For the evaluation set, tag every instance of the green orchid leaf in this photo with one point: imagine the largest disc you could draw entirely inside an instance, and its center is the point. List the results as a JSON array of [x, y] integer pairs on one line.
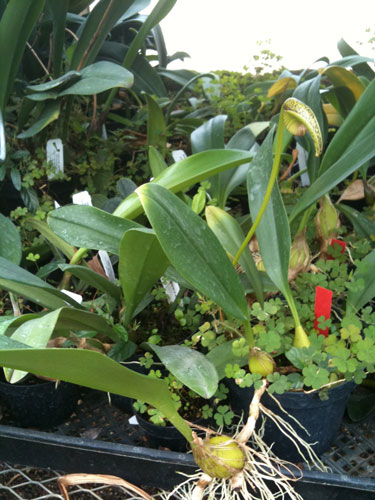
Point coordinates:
[[94, 279], [142, 263], [19, 281], [45, 231], [273, 232], [58, 11], [362, 149], [157, 163], [361, 69], [58, 84], [341, 77], [99, 77], [363, 226], [193, 249], [222, 355], [186, 173], [49, 113], [89, 227], [343, 141], [95, 370], [10, 241], [16, 25], [96, 27], [365, 272], [156, 126], [190, 367], [38, 331], [229, 233]]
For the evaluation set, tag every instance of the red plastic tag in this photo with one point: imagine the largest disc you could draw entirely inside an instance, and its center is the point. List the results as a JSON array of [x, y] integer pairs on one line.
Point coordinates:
[[332, 244], [323, 302]]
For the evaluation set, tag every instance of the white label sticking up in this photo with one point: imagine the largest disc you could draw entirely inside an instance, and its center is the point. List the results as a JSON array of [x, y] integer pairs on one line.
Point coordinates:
[[55, 155], [78, 298], [171, 289], [82, 198], [302, 164], [107, 265], [178, 155]]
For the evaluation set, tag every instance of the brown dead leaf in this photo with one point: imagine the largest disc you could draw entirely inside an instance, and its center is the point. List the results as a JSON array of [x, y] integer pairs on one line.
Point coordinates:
[[354, 191], [96, 266]]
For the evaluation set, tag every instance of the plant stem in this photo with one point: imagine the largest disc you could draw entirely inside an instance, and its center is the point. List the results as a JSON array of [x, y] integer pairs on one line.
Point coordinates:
[[305, 218], [249, 333], [271, 182]]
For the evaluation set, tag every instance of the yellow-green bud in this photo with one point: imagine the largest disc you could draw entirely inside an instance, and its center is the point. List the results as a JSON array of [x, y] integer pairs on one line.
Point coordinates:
[[261, 362], [300, 338], [220, 457], [327, 223], [299, 256]]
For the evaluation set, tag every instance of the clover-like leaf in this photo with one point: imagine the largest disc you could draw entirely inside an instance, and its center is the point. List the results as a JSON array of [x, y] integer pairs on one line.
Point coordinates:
[[315, 376]]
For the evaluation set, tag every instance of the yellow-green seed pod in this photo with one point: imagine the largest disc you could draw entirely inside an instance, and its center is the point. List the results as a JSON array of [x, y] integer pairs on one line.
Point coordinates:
[[300, 256], [261, 362], [220, 457], [298, 118], [327, 223]]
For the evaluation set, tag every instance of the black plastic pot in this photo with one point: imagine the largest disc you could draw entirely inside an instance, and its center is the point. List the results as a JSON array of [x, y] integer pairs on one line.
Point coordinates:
[[321, 418], [42, 405], [162, 436]]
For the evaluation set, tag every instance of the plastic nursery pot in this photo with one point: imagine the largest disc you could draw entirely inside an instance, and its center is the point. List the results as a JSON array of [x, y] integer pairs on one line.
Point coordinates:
[[162, 436], [38, 403], [321, 418]]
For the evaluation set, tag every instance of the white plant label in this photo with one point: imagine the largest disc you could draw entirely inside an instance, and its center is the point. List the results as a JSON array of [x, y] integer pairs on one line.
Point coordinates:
[[171, 289], [78, 298], [178, 155], [302, 164], [55, 155], [82, 198], [133, 420]]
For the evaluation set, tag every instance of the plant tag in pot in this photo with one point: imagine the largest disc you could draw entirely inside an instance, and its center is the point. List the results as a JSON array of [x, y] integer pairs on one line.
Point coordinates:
[[55, 155], [323, 302], [178, 155]]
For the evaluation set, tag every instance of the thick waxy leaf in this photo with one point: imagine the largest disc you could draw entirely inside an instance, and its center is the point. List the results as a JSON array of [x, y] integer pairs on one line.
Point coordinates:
[[10, 241], [193, 249], [363, 226], [362, 113], [49, 113], [142, 263], [16, 25], [282, 85], [341, 77], [186, 173], [21, 282], [361, 69], [45, 231], [89, 227], [190, 367], [222, 355], [273, 232], [94, 279], [96, 28], [58, 84], [365, 272], [210, 135], [157, 163], [94, 370], [229, 233], [37, 332], [156, 127], [99, 77], [58, 11], [362, 149]]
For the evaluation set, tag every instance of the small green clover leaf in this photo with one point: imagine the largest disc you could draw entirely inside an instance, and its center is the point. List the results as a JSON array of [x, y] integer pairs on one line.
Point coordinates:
[[269, 341], [315, 376], [234, 371], [370, 332], [156, 417], [278, 383], [223, 415], [351, 332], [250, 379], [240, 347], [221, 392], [139, 406], [207, 412]]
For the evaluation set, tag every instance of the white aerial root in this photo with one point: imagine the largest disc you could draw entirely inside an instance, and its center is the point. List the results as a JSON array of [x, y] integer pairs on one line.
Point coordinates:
[[263, 477]]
